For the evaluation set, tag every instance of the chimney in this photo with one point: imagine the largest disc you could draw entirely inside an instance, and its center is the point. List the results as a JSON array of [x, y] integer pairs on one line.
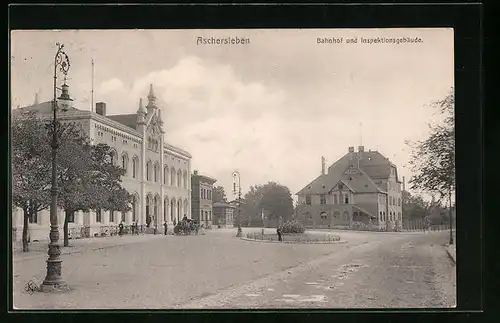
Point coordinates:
[[322, 165], [361, 149], [100, 108], [351, 149]]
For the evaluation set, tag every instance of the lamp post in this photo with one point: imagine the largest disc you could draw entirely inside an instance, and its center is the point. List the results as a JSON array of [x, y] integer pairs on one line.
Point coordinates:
[[53, 281], [237, 174]]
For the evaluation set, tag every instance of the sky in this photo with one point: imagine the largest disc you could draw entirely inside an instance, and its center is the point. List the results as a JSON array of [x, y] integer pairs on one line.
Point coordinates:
[[269, 108]]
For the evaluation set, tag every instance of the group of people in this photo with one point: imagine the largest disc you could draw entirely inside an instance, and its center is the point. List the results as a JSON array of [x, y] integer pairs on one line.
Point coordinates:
[[134, 228], [184, 225]]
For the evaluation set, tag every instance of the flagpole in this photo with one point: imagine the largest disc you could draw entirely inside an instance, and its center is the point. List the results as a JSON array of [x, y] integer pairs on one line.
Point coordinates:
[[92, 100]]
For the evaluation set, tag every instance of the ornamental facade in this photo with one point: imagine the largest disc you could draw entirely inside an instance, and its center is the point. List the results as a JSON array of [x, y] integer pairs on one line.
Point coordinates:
[[157, 173]]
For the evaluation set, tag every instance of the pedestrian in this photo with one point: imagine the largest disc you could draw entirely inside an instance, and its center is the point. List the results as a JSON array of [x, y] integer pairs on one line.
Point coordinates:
[[136, 227], [120, 229], [278, 231], [155, 228], [166, 227]]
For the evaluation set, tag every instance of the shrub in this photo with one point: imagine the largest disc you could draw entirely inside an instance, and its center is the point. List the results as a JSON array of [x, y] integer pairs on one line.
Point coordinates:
[[292, 226]]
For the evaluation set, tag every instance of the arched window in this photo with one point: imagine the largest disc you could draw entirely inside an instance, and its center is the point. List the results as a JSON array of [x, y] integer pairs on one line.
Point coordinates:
[[134, 167], [179, 178], [165, 175], [148, 171], [113, 157], [346, 199], [134, 206], [185, 179], [399, 201], [172, 177], [179, 210], [156, 172], [165, 209], [125, 163], [155, 207], [172, 210]]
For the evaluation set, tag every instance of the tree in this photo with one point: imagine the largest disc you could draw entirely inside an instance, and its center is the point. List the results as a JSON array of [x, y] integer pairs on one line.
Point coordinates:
[[89, 179], [30, 169], [275, 199], [414, 207], [433, 159], [218, 194], [87, 176]]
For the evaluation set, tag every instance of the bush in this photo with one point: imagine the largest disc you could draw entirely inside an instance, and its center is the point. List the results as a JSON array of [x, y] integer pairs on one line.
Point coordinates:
[[292, 226]]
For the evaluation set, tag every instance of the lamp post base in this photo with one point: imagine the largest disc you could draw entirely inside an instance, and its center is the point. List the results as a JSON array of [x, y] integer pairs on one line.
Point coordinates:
[[59, 287]]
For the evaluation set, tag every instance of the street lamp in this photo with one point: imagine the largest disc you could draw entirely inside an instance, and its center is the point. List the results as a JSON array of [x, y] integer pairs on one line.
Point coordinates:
[[237, 174], [53, 281]]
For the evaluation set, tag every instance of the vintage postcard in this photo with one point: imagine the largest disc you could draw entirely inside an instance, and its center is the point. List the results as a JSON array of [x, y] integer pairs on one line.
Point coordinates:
[[233, 169]]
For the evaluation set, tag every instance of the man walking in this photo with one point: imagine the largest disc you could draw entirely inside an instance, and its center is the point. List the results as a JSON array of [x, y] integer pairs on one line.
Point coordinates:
[[278, 231], [166, 227], [120, 229]]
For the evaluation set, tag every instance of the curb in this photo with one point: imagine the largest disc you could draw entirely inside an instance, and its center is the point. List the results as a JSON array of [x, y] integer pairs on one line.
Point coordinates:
[[293, 242], [70, 252]]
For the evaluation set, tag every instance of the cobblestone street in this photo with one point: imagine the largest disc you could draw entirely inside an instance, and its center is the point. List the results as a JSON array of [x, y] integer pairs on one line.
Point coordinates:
[[218, 270]]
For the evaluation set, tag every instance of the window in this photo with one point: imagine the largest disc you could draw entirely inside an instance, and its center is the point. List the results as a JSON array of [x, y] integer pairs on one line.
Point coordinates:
[[308, 199], [33, 218], [134, 167], [165, 175], [172, 177], [98, 216], [179, 178], [210, 215], [335, 199], [322, 199], [399, 216], [123, 216], [134, 203], [147, 171], [323, 216], [399, 201], [346, 199], [156, 173], [125, 163], [71, 217], [111, 216]]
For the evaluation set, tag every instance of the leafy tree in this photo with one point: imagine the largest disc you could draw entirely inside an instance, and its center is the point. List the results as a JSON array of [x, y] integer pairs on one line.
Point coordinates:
[[87, 176], [218, 194], [433, 159], [414, 207], [274, 198], [277, 200], [31, 169]]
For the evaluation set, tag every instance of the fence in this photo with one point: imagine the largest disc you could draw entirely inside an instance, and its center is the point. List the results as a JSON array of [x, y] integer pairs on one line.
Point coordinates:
[[423, 225]]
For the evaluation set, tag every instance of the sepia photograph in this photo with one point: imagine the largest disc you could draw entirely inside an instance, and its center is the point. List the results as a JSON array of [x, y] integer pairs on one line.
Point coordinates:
[[233, 169]]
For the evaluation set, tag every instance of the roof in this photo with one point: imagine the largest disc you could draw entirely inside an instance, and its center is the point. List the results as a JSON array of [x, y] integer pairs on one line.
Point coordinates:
[[204, 178], [372, 164], [223, 205], [363, 210], [129, 120], [360, 183], [41, 108]]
